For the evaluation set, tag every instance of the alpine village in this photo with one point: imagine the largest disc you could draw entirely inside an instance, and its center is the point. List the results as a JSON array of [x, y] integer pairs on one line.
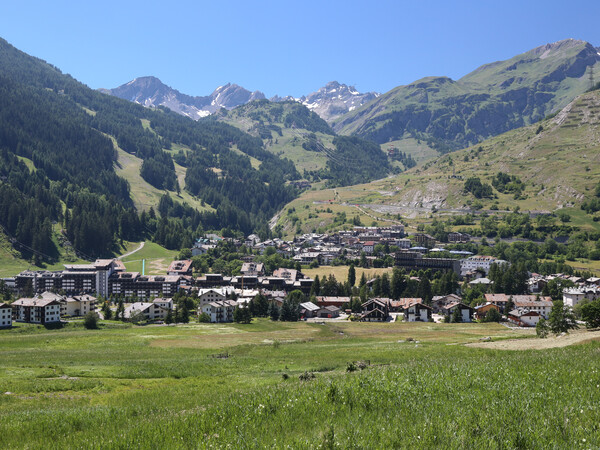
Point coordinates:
[[414, 268]]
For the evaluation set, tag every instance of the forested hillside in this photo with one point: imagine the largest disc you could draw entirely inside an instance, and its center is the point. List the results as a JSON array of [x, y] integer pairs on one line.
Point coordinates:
[[293, 131], [64, 129]]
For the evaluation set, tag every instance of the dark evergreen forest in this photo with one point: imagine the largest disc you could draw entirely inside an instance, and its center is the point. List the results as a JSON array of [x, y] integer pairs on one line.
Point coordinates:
[[67, 131]]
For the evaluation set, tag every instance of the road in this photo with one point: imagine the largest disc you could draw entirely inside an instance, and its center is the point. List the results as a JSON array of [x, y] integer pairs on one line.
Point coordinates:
[[141, 246]]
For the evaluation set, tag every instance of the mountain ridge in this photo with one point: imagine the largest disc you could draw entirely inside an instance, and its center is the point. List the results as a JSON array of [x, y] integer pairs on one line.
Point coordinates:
[[490, 100], [151, 92]]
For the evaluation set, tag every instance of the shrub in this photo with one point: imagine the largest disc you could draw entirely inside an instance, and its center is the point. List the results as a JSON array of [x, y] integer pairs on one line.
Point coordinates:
[[90, 321], [306, 376], [204, 318]]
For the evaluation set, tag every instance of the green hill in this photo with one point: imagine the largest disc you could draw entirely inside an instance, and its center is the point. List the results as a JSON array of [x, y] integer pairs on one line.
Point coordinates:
[[491, 100], [290, 130], [547, 166], [95, 165]]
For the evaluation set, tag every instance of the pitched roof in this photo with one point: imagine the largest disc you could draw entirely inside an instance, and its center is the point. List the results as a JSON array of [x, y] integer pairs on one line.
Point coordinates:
[[496, 298], [309, 306], [41, 302]]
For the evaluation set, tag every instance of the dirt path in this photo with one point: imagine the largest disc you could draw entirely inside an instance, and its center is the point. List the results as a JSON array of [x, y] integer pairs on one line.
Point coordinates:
[[141, 246], [575, 337]]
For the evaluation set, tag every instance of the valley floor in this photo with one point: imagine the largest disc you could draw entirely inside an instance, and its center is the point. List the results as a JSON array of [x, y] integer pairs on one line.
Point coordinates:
[[273, 384]]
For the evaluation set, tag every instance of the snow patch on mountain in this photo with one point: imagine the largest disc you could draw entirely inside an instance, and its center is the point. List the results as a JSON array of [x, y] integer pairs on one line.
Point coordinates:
[[333, 100]]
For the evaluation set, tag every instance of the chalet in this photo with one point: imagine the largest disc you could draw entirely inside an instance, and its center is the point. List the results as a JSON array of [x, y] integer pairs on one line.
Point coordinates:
[[500, 300], [253, 269], [308, 257], [482, 310], [288, 274], [456, 237], [375, 310], [329, 312], [415, 311], [252, 240], [219, 311], [369, 247], [424, 240], [36, 310], [5, 315], [440, 301], [543, 305], [524, 317], [183, 267], [466, 312], [308, 310], [156, 310], [323, 301]]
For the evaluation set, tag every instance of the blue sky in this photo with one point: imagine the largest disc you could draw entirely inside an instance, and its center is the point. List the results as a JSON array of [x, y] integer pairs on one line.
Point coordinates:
[[282, 47]]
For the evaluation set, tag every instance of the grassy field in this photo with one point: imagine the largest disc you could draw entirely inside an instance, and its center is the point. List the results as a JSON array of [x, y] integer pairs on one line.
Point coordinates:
[[341, 272], [239, 386], [143, 194], [157, 259]]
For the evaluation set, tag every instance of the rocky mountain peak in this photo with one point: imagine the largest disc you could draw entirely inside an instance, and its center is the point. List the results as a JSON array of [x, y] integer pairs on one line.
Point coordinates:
[[335, 99], [151, 92]]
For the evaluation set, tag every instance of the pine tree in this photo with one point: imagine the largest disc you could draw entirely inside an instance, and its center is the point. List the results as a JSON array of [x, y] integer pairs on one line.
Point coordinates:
[[120, 311], [424, 290], [286, 312], [456, 315], [385, 285], [315, 289], [169, 318], [351, 275], [273, 311], [363, 280], [106, 311], [561, 318], [398, 283]]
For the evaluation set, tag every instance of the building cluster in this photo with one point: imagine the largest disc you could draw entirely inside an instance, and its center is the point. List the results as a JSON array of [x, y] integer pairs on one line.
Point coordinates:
[[45, 309], [581, 289]]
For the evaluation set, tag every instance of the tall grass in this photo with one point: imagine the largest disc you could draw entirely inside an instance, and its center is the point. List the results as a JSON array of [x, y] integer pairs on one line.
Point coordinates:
[[111, 389]]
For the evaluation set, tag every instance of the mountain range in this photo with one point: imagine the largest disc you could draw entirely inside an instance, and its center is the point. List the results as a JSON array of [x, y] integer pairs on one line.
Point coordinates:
[[443, 113], [492, 99], [92, 170], [330, 102]]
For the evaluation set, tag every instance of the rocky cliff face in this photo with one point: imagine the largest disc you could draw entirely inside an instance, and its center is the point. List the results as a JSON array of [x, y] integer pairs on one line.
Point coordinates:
[[151, 92]]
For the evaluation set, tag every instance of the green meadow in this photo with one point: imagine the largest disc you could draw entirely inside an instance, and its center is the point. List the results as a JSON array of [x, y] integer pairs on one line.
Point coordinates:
[[287, 385]]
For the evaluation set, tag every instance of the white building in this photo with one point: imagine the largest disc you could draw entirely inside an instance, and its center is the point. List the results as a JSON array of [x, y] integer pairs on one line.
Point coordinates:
[[572, 296], [542, 306], [211, 295], [36, 310], [78, 305], [524, 317], [219, 311], [5, 315], [479, 262], [157, 310]]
